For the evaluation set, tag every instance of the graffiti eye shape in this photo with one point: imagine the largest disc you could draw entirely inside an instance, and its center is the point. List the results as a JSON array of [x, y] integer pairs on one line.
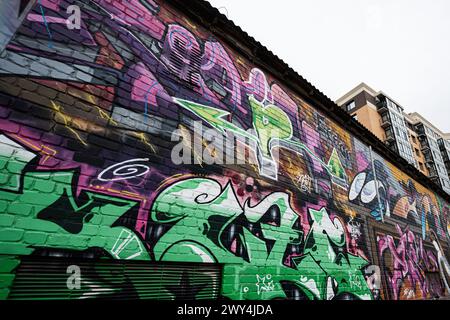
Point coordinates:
[[272, 216], [357, 185], [369, 192], [162, 216]]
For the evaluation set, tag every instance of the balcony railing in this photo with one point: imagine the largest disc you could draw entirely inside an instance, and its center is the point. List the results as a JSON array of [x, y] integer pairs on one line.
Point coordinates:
[[390, 137], [382, 107], [428, 157], [420, 130], [424, 146], [385, 123]]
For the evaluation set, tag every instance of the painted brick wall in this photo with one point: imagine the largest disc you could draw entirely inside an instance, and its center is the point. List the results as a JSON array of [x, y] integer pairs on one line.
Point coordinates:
[[143, 137]]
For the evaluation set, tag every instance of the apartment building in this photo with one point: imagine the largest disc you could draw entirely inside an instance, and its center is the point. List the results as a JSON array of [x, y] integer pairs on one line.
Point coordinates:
[[416, 146], [394, 124], [435, 149], [444, 146], [361, 102], [411, 136], [385, 118]]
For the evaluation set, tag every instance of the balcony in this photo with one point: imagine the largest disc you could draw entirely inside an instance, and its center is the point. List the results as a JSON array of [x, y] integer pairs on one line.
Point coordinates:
[[390, 137], [385, 123], [382, 107], [445, 157], [393, 147], [424, 147], [444, 152], [421, 134], [420, 130], [447, 167], [428, 157]]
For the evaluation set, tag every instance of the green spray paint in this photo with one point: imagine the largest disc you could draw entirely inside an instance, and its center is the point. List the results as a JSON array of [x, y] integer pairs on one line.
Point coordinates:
[[203, 215], [335, 166], [272, 126], [47, 214], [207, 224], [46, 204], [270, 123]]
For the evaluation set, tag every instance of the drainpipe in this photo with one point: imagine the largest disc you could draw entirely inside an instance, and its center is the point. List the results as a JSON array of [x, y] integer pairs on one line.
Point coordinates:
[[376, 184]]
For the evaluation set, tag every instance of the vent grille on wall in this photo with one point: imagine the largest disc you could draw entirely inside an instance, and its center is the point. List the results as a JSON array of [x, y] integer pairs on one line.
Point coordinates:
[[61, 278]]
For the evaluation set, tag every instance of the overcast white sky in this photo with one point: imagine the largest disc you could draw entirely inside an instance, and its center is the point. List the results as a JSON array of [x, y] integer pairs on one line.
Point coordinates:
[[401, 47]]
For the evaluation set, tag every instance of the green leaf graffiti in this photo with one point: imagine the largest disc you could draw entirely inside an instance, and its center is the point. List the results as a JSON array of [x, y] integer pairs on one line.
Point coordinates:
[[270, 123], [335, 166]]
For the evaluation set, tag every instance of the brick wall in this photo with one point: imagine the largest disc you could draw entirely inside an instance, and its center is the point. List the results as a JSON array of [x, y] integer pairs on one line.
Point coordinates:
[[143, 137]]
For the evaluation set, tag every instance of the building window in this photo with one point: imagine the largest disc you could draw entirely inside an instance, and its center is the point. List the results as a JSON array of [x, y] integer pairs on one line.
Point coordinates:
[[350, 106], [417, 152], [390, 104]]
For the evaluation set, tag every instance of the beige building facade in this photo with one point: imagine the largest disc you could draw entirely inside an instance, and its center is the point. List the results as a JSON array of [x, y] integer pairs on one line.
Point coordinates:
[[386, 119]]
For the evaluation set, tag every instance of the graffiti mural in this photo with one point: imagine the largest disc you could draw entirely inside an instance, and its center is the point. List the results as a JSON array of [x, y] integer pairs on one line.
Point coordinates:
[[46, 201], [264, 236], [92, 112], [411, 265]]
